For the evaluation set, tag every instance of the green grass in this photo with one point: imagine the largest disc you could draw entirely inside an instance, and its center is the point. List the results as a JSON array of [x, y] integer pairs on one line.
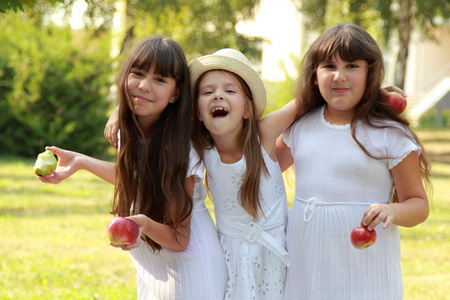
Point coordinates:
[[53, 242]]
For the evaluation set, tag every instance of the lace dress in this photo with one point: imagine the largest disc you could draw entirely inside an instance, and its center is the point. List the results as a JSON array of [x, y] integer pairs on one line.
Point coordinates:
[[335, 183], [255, 251], [198, 272]]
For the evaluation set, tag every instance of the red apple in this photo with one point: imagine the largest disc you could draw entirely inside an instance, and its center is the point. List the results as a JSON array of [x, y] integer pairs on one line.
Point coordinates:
[[362, 238], [122, 231], [397, 101]]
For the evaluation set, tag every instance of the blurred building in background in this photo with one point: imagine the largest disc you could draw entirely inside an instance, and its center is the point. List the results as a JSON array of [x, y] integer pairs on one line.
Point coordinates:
[[428, 75]]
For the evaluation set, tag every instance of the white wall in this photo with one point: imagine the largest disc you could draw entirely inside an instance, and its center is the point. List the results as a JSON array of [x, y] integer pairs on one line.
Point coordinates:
[[428, 62]]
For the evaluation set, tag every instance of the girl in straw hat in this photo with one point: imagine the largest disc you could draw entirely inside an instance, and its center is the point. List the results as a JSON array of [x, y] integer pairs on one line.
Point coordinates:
[[357, 163], [242, 174], [157, 185]]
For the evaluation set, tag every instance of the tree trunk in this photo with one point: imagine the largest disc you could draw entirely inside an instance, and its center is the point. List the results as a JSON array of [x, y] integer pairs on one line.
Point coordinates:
[[128, 38], [404, 35]]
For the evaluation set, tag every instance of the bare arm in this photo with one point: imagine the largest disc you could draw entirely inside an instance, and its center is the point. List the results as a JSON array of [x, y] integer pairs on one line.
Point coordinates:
[[274, 124], [284, 155], [112, 127], [70, 162], [161, 233], [412, 207]]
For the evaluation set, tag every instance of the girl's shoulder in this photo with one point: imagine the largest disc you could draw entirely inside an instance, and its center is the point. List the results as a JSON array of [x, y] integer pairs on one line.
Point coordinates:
[[386, 138], [389, 127], [312, 114], [306, 123], [310, 117]]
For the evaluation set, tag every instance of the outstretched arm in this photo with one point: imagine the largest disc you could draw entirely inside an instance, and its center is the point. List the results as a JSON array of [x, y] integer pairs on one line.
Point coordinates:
[[70, 162], [412, 207]]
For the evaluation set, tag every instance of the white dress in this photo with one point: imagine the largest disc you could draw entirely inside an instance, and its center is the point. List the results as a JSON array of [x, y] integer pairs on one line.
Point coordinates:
[[335, 182], [255, 252], [197, 273]]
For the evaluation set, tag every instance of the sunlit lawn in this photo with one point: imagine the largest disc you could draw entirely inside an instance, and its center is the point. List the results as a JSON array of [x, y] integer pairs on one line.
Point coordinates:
[[53, 242]]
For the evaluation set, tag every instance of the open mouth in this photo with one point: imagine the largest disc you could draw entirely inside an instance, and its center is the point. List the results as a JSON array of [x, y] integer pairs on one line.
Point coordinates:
[[219, 112]]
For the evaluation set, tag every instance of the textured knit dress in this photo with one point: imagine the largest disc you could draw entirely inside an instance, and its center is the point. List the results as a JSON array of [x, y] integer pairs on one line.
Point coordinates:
[[335, 183], [254, 250], [198, 272]]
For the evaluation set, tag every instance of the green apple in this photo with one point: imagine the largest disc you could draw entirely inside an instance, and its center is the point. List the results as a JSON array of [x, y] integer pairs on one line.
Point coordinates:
[[45, 163]]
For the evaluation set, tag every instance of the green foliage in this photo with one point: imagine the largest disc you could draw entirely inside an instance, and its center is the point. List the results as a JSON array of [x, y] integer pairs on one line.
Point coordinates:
[[54, 83], [201, 27], [323, 14], [16, 5], [373, 15], [53, 89], [281, 92], [435, 118]]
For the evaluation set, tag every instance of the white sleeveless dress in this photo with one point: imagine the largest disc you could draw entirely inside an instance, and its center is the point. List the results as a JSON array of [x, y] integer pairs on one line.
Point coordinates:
[[335, 183], [255, 251], [197, 273]]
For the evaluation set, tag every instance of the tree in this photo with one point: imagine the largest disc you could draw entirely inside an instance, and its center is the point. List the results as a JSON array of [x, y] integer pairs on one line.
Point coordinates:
[[53, 89], [380, 18], [55, 83], [201, 27]]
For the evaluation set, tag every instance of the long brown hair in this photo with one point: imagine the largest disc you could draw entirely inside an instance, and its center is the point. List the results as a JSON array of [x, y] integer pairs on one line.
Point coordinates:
[[248, 142], [352, 43], [151, 165]]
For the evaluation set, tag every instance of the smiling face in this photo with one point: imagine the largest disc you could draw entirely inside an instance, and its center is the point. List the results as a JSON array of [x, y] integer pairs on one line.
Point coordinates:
[[342, 85], [150, 94], [222, 104]]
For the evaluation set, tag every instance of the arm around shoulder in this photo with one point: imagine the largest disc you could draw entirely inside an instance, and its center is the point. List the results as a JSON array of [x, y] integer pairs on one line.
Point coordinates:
[[275, 123]]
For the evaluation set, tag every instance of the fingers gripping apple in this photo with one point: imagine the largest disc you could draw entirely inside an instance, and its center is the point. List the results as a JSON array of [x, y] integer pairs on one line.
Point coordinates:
[[122, 231], [397, 101], [362, 238]]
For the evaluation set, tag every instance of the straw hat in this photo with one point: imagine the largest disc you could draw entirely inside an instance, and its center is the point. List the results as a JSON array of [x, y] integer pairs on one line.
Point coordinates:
[[233, 61]]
